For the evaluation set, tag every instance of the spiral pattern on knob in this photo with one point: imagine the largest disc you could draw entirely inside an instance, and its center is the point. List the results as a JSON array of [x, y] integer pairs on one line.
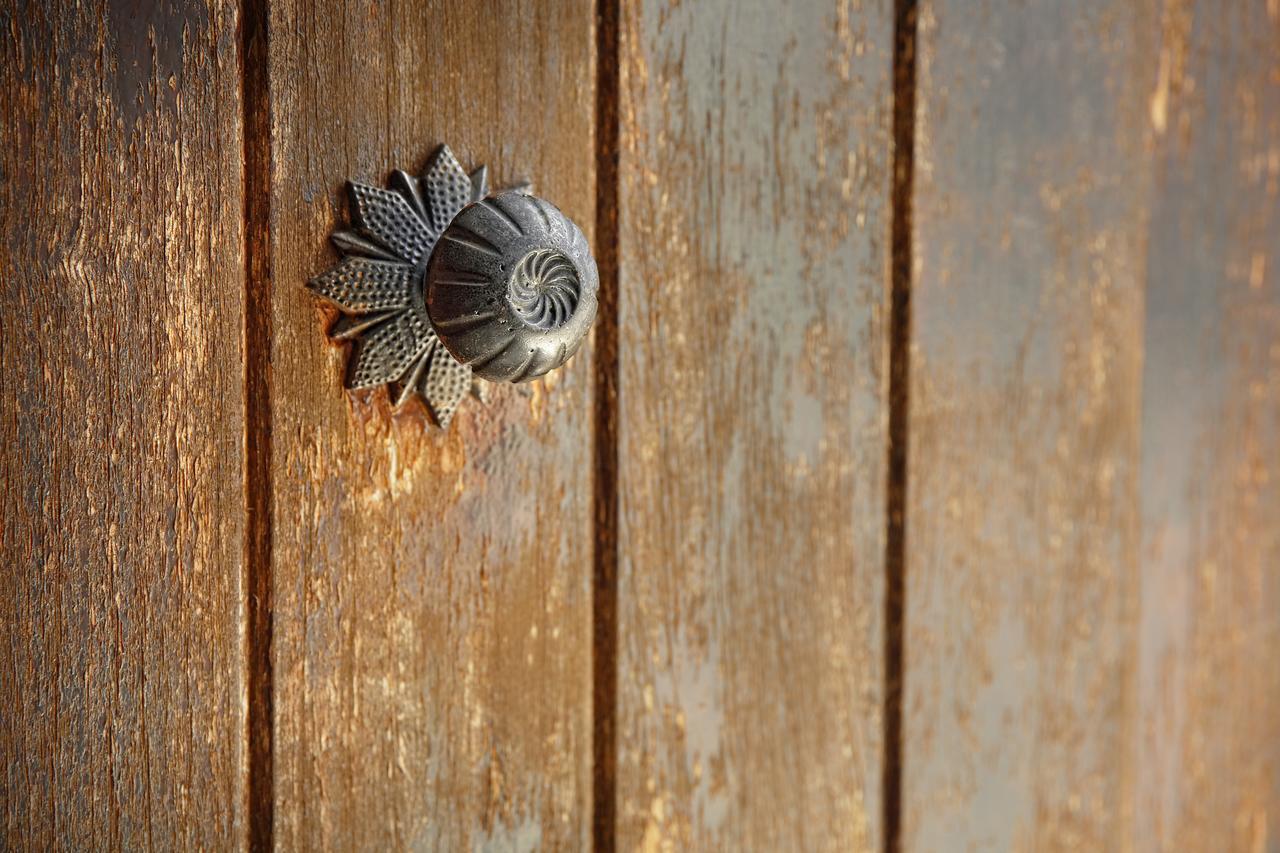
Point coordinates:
[[544, 289]]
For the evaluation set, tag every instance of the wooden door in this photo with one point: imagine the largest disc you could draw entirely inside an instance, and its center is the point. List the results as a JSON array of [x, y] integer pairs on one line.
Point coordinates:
[[917, 489]]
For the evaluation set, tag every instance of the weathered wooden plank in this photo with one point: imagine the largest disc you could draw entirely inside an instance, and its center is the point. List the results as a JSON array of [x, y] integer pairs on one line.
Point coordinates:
[[432, 591], [122, 674], [1022, 530], [1207, 719], [753, 194]]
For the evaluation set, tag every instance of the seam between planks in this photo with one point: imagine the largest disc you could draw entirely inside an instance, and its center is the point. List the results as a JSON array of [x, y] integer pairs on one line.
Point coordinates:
[[604, 656], [255, 100], [904, 107]]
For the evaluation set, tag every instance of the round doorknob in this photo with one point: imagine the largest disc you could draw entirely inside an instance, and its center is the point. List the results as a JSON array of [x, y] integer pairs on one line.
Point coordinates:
[[511, 287], [441, 281]]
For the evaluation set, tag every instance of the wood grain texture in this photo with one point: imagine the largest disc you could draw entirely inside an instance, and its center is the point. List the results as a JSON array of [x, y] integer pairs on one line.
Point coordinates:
[[432, 591], [123, 278], [1033, 171], [1207, 733], [752, 259]]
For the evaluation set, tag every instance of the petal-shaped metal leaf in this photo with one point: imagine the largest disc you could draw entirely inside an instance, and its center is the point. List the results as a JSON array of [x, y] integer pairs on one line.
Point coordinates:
[[383, 314], [448, 188], [413, 380], [386, 351], [363, 285], [409, 187], [480, 183], [388, 216], [350, 242], [446, 383], [350, 326]]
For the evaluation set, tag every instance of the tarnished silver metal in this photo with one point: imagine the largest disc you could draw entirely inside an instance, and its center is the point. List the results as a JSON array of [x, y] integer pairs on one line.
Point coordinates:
[[511, 287], [511, 280]]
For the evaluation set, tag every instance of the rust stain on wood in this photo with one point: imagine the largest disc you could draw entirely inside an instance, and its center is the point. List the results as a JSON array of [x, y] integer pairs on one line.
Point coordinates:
[[752, 267], [122, 602], [432, 626]]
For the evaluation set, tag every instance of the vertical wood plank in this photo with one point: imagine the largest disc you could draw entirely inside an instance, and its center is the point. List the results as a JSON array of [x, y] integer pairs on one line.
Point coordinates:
[[1032, 181], [121, 604], [754, 182], [432, 591], [1207, 731]]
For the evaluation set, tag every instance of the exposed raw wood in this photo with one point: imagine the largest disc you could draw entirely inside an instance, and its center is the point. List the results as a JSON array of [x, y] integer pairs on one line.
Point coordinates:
[[1032, 181], [432, 591], [1207, 723], [753, 251], [121, 382]]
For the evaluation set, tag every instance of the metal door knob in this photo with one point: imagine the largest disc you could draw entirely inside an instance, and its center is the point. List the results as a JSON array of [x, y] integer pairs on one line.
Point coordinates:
[[441, 281], [511, 287]]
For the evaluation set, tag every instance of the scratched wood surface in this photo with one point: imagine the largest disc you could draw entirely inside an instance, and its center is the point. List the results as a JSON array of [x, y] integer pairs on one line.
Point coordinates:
[[753, 249], [432, 591], [123, 278], [1207, 733], [1031, 204]]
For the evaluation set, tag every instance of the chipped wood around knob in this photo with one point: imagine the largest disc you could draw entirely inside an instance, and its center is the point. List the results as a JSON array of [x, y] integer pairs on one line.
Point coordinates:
[[432, 590], [123, 277], [1206, 733], [754, 181], [1033, 170]]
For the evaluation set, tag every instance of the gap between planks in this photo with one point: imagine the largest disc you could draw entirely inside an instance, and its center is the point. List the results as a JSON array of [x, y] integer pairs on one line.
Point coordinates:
[[604, 653], [256, 102], [902, 186]]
